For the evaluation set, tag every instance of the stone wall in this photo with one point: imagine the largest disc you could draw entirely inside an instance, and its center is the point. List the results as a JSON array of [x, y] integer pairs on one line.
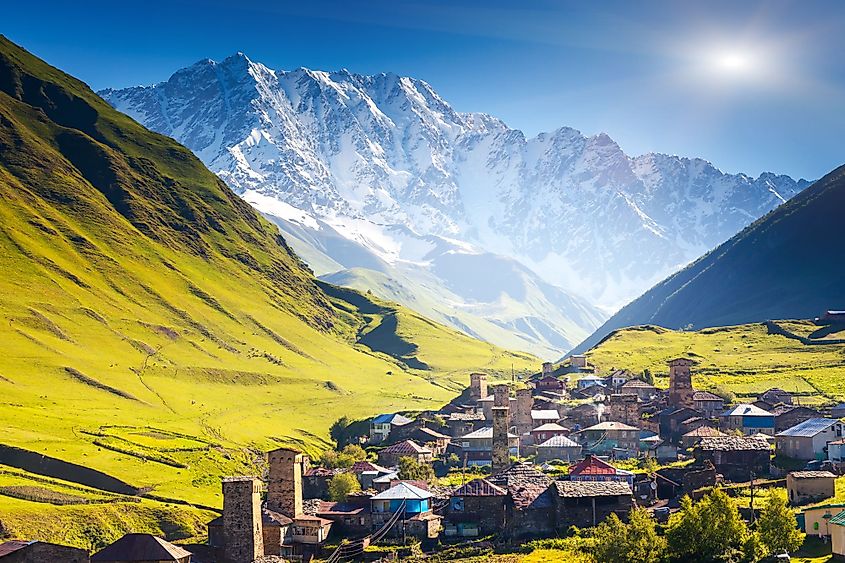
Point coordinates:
[[284, 485], [242, 530]]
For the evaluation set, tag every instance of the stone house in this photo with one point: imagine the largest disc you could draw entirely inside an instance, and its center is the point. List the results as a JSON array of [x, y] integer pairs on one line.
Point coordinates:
[[645, 391], [809, 439], [477, 508], [391, 455], [587, 503], [707, 403], [592, 468], [623, 408], [692, 437], [476, 448], [580, 416], [671, 420], [367, 472], [735, 457], [351, 517], [549, 383], [462, 423], [415, 506], [776, 397], [558, 447], [619, 378], [748, 419], [589, 380], [530, 507], [546, 431], [382, 425], [804, 487], [787, 416], [578, 361], [17, 551], [838, 411], [141, 547], [609, 438], [545, 416]]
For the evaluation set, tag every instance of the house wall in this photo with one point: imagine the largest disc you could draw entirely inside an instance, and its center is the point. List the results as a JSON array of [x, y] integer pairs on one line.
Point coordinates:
[[42, 552], [816, 520], [837, 539], [804, 491], [564, 454], [580, 511], [488, 513]]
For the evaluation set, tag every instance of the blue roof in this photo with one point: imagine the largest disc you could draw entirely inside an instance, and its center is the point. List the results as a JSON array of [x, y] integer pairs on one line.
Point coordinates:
[[809, 428], [397, 419]]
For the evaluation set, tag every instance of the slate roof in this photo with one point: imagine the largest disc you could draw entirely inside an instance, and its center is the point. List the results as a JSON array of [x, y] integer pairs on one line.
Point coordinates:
[[545, 414], [746, 409], [394, 419], [703, 431], [812, 475], [362, 466], [401, 491], [140, 547], [480, 488], [466, 416], [526, 486], [406, 447], [559, 442], [485, 433], [631, 383], [809, 428], [581, 489], [733, 443], [706, 396], [432, 433], [329, 508]]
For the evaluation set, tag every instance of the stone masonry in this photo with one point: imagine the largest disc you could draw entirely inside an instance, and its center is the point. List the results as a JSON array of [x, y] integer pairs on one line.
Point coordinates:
[[242, 519], [478, 385], [500, 453], [284, 484], [522, 417], [680, 383]]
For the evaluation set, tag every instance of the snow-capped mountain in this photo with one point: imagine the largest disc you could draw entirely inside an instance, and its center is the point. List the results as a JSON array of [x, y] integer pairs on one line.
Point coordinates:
[[348, 150]]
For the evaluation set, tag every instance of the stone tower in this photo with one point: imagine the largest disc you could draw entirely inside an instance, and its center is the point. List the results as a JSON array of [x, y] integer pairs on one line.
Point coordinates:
[[500, 453], [478, 385], [242, 530], [284, 483], [522, 415], [680, 383], [548, 368]]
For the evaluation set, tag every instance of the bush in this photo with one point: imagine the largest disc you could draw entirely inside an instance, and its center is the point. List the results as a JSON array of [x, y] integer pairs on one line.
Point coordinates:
[[412, 470], [342, 485]]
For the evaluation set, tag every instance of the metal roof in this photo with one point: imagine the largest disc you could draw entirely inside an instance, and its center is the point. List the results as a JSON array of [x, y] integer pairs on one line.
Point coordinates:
[[746, 409], [545, 414], [403, 491], [809, 428], [394, 418], [485, 433], [559, 442]]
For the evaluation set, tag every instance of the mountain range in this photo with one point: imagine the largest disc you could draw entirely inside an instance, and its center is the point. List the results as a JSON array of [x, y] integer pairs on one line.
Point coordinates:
[[386, 163], [786, 265], [145, 307]]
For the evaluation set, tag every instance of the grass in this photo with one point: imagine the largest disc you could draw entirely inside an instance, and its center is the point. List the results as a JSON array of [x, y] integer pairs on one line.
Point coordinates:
[[744, 359], [158, 330]]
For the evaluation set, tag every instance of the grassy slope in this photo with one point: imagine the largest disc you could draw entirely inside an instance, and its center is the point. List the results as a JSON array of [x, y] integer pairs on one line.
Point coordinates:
[[139, 291], [745, 359]]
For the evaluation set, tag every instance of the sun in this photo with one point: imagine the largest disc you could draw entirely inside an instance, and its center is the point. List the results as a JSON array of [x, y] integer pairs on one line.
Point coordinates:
[[733, 62]]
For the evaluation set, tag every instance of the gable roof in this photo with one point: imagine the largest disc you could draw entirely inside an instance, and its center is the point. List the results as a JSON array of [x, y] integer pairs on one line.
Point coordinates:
[[362, 466], [703, 431], [140, 547], [432, 433], [525, 484], [610, 425], [485, 433], [545, 414], [480, 488], [839, 519], [392, 418], [550, 427], [706, 396], [406, 447], [733, 443], [591, 465], [809, 428], [745, 409], [403, 490], [579, 489], [559, 442]]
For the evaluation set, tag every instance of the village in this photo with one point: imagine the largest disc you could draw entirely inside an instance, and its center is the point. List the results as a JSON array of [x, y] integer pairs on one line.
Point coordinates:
[[562, 450]]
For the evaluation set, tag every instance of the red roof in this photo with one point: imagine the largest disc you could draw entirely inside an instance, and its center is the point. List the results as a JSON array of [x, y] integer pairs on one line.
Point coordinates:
[[12, 546], [591, 465], [406, 447]]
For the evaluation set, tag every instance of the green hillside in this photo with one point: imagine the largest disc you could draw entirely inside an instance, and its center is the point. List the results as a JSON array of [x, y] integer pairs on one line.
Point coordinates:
[[744, 359], [158, 331]]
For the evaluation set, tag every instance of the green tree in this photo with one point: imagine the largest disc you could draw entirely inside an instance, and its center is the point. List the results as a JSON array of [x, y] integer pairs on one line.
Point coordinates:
[[777, 525], [411, 469], [711, 531], [648, 377], [355, 451], [339, 431], [341, 485], [635, 542]]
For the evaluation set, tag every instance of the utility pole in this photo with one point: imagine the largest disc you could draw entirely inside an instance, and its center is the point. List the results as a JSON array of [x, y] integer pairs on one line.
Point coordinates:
[[753, 516]]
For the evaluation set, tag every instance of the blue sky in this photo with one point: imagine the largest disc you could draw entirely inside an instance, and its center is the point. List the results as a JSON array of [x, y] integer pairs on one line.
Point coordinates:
[[750, 86]]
